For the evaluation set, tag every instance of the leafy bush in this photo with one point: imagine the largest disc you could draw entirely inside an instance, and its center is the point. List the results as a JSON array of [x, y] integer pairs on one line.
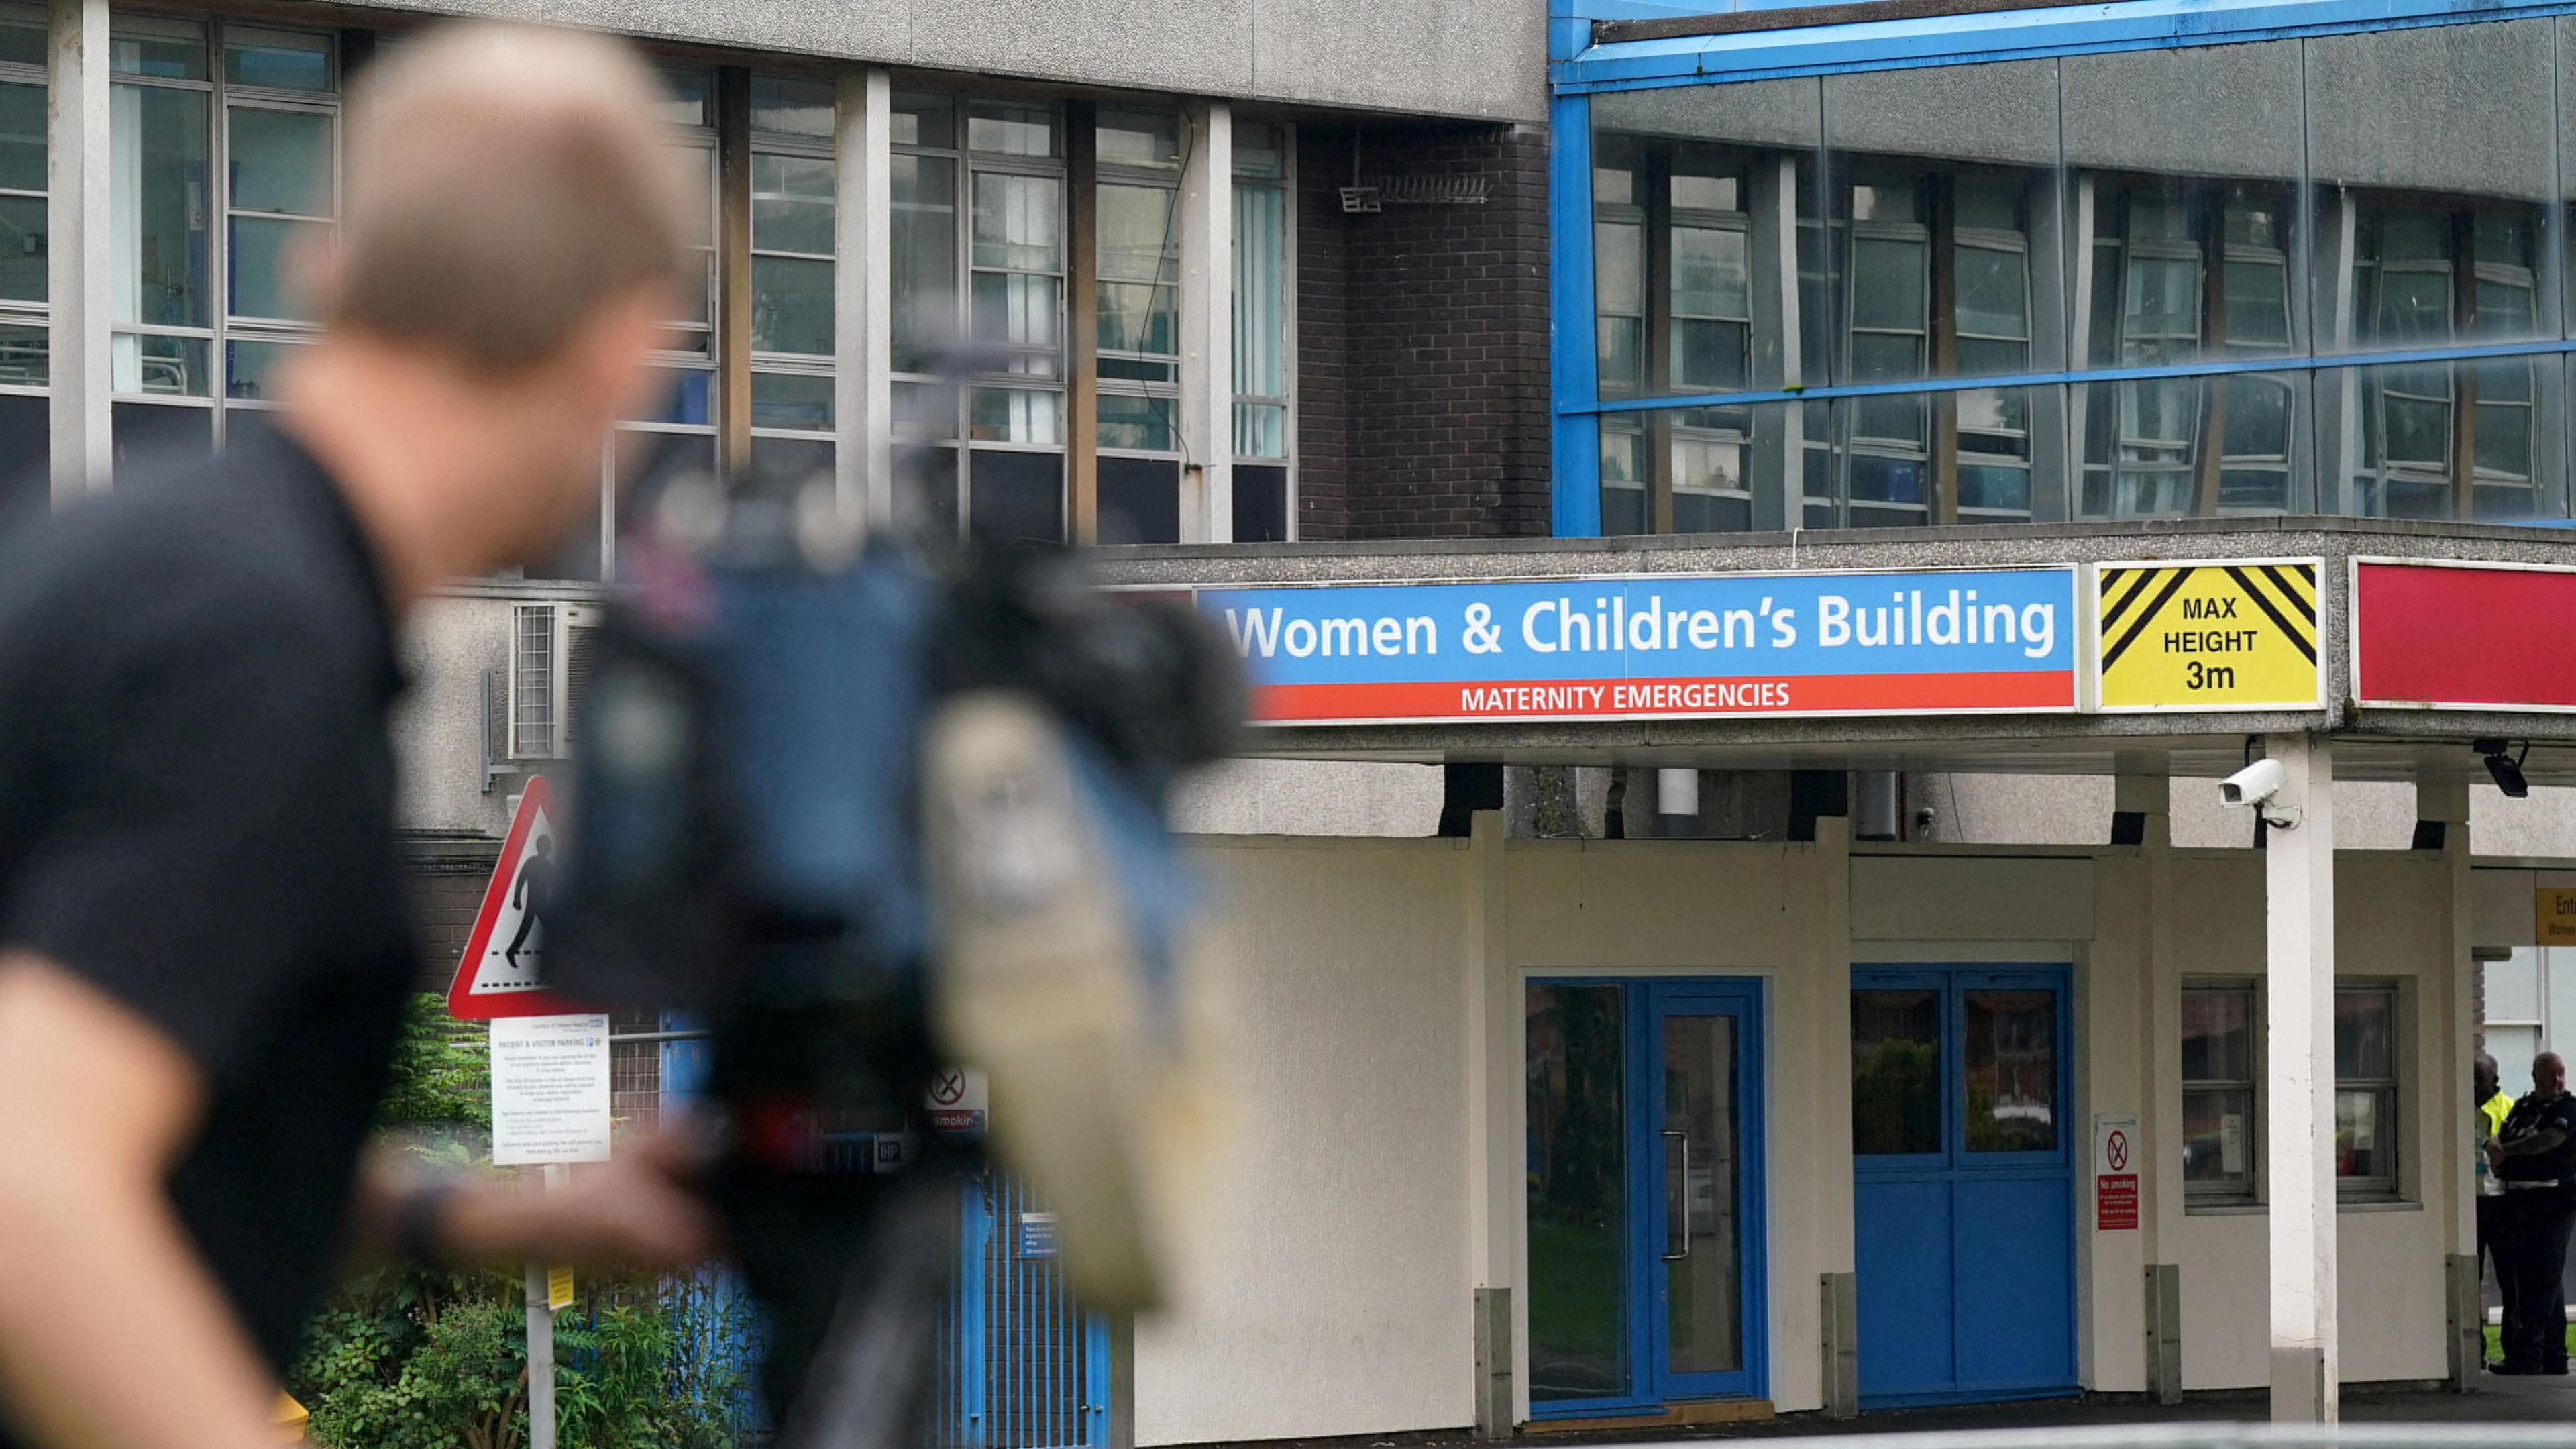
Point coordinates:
[[406, 1358]]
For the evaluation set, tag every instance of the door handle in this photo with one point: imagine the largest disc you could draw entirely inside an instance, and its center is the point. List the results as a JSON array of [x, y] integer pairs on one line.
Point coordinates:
[[1679, 1212]]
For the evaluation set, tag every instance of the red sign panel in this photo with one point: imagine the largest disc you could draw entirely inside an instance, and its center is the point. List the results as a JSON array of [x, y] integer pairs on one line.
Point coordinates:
[[2463, 636], [2115, 1202], [502, 971]]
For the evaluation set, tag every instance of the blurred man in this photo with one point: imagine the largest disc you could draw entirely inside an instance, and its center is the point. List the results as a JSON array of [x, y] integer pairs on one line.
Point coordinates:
[[203, 945], [2489, 1106], [2535, 1156]]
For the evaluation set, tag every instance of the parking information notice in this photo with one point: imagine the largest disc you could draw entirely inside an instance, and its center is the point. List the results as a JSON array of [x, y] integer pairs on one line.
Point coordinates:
[[1663, 646], [550, 1089], [2229, 634]]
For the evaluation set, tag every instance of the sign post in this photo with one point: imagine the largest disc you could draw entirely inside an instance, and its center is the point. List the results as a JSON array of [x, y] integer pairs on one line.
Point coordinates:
[[550, 1099]]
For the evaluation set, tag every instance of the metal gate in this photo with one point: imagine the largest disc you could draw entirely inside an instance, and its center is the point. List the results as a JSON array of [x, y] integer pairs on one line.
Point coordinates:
[[1023, 1366]]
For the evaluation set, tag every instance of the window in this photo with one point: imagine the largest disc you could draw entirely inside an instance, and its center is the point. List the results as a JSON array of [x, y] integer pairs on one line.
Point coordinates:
[[2366, 1090], [792, 218], [225, 139], [2222, 1103], [2219, 1077], [675, 435], [1137, 206], [24, 261], [988, 457], [1264, 506]]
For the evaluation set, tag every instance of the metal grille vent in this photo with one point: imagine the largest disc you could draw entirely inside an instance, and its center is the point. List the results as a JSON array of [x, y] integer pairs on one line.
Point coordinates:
[[532, 682]]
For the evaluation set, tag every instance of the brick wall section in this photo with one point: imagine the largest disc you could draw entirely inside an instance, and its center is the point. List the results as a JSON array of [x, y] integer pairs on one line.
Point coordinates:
[[1422, 362], [447, 876]]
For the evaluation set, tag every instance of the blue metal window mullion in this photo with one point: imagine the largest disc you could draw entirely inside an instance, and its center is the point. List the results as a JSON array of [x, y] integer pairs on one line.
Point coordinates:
[[1574, 374]]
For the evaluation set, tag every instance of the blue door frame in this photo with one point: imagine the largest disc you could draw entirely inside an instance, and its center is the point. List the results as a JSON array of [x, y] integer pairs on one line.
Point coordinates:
[[1649, 1003], [1967, 1260]]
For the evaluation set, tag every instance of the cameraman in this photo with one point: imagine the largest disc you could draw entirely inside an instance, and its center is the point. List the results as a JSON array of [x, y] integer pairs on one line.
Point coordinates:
[[204, 951]]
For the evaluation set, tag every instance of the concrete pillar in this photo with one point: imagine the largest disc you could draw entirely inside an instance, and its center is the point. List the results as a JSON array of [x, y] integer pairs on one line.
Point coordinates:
[[1676, 803], [1207, 326], [78, 257], [2442, 812], [863, 297], [1497, 1153], [2299, 1000]]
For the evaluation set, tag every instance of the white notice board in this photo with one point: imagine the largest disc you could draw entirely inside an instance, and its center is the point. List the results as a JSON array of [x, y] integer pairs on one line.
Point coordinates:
[[550, 1089]]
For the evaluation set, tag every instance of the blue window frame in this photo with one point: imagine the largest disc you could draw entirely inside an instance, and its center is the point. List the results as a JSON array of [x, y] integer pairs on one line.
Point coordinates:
[[2331, 308]]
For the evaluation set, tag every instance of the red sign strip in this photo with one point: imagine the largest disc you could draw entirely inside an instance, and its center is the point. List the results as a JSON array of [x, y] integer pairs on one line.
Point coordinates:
[[2478, 637], [1664, 698]]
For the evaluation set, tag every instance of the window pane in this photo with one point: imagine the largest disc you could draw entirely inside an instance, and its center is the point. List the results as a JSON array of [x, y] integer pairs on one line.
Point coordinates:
[[280, 161], [26, 493], [158, 211], [925, 410], [1139, 244], [1887, 285], [1260, 430], [155, 45], [2011, 1049], [1017, 310], [170, 366], [1016, 496], [925, 258], [1019, 222], [791, 104], [1576, 1050], [685, 395], [1014, 415], [262, 250], [1260, 309], [1139, 138], [791, 204], [1260, 504], [924, 120], [1140, 500], [2218, 1137], [925, 486], [685, 93], [2513, 986], [2217, 1035], [1260, 151], [1142, 423], [22, 35], [250, 368], [1896, 1071], [22, 137], [141, 431], [1710, 277], [2365, 1133], [781, 465], [2365, 1035], [278, 59], [22, 357], [1008, 130], [791, 400], [1994, 293], [791, 306], [22, 249]]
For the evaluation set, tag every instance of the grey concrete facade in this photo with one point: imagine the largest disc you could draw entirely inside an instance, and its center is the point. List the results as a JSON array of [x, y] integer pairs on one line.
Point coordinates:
[[1480, 59]]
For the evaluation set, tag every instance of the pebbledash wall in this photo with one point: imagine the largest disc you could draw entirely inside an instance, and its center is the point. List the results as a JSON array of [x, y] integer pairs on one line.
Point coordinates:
[[1377, 1176]]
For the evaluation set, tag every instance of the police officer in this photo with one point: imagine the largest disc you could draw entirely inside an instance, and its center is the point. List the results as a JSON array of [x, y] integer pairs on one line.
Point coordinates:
[[2535, 1157]]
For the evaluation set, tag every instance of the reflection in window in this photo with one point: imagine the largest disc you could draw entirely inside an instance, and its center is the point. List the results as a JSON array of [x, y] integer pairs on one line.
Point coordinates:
[[2218, 1086], [2365, 1048], [793, 220], [2010, 1041], [1575, 1056], [1136, 206], [1896, 1071]]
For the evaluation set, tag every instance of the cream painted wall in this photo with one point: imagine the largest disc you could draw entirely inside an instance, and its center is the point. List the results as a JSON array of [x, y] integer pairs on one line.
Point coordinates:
[[1378, 983], [1341, 1301]]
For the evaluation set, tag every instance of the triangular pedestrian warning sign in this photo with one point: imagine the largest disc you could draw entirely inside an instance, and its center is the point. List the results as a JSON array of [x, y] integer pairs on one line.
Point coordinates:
[[503, 970]]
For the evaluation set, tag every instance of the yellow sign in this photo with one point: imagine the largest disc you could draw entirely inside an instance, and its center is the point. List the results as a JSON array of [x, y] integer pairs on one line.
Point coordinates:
[[558, 1289], [2554, 924], [2219, 635]]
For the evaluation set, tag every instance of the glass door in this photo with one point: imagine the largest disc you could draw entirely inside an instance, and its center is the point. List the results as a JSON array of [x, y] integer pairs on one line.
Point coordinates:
[[1644, 1194]]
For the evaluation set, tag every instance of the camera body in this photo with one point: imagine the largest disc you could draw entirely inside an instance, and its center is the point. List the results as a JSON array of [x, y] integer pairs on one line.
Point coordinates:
[[782, 825]]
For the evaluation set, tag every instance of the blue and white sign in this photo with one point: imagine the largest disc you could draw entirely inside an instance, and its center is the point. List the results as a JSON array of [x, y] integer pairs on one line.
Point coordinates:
[[1658, 646]]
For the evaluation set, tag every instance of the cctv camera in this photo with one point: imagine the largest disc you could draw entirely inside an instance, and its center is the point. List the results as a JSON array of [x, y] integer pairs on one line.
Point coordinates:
[[2255, 784]]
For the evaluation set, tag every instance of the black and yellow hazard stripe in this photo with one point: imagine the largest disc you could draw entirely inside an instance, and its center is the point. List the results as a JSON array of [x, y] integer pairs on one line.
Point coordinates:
[[2286, 593]]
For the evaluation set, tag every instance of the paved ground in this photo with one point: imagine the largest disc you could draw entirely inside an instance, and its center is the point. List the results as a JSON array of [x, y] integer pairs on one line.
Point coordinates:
[[2498, 1401]]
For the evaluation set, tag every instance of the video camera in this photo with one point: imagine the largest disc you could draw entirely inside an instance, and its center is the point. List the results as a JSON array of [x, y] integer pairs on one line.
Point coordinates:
[[867, 812]]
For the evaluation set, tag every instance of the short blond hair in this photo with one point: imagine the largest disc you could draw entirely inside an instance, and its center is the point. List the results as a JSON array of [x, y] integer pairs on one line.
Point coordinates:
[[504, 182]]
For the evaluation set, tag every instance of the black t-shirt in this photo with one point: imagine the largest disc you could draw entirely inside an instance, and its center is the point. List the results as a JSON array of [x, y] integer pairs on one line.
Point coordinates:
[[2532, 1115], [196, 815]]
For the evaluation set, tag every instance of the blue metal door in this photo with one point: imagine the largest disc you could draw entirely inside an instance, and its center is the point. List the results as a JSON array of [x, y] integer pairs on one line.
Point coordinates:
[[1962, 1176], [1024, 1366], [1645, 1172]]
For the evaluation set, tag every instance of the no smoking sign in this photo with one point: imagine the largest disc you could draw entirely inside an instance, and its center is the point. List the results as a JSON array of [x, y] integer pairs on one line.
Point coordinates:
[[2115, 1187]]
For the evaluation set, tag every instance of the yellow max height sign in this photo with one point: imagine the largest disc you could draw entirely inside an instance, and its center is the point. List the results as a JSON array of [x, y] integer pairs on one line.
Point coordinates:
[[2216, 635], [2556, 918]]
